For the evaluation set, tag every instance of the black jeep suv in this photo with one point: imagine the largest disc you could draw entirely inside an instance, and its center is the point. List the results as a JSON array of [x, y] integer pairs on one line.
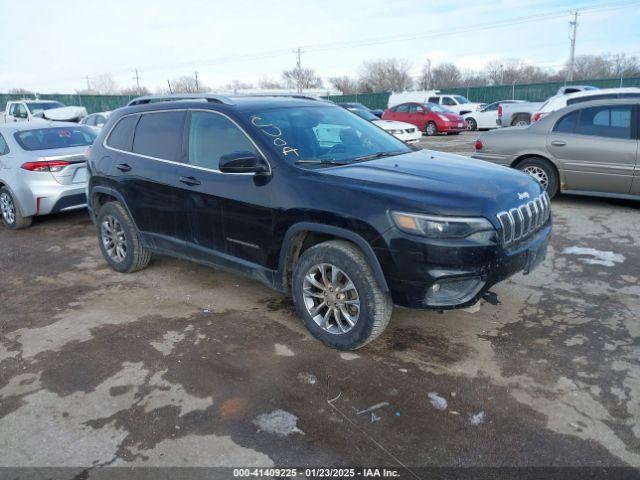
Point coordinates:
[[310, 199]]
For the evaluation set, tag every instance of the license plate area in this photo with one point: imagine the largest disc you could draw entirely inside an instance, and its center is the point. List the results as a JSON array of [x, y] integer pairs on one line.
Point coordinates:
[[535, 257]]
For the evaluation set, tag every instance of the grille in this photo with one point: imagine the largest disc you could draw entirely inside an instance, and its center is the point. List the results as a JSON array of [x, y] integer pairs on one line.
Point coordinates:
[[521, 222]]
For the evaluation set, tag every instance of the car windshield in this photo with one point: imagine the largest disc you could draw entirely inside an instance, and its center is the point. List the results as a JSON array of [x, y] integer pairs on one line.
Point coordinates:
[[55, 137], [324, 134], [461, 99], [434, 107], [35, 106], [366, 114]]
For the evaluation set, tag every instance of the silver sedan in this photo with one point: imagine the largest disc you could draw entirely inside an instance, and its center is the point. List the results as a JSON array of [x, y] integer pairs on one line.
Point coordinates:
[[589, 148], [42, 169]]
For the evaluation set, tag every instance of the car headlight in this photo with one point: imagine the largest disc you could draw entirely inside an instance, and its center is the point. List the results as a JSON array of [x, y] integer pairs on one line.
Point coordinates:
[[444, 118], [431, 226], [394, 132]]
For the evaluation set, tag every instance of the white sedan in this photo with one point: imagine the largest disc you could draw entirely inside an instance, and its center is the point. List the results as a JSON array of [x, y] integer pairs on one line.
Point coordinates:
[[487, 117], [406, 132]]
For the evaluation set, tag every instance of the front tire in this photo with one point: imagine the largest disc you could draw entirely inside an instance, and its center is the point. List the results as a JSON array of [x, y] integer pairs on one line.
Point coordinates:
[[119, 241], [338, 297], [471, 124], [431, 129], [10, 211], [543, 172]]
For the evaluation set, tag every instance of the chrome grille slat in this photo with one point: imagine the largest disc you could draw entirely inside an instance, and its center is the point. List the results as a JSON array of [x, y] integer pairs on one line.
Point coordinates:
[[522, 221]]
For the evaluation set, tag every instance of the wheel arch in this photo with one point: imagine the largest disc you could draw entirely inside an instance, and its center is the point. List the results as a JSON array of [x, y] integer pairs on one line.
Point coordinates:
[[297, 237], [521, 158], [99, 193]]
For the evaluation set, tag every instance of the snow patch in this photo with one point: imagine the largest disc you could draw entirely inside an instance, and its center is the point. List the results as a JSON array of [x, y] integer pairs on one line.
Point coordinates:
[[599, 257], [278, 422]]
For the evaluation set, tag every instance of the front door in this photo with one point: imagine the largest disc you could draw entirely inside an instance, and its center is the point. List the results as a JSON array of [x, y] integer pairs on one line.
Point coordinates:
[[230, 213], [597, 148]]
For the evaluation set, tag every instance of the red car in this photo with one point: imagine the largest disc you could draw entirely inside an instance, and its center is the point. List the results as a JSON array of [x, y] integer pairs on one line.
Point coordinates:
[[428, 117]]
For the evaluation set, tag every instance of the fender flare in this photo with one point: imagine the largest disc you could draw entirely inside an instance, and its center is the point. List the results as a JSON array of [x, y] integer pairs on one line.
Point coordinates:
[[335, 231], [114, 193]]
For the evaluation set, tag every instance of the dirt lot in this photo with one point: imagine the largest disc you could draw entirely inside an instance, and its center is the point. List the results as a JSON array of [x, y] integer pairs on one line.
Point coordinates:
[[177, 365]]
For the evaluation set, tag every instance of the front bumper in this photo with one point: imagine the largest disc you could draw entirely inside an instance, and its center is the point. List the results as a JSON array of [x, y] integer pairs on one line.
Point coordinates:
[[414, 265], [411, 137], [452, 127]]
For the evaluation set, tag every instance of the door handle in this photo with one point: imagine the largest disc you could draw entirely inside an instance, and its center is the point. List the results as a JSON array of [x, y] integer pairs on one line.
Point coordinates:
[[558, 143], [123, 167], [191, 181]]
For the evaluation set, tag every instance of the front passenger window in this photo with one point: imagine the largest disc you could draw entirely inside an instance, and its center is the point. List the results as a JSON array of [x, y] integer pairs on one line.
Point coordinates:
[[211, 136]]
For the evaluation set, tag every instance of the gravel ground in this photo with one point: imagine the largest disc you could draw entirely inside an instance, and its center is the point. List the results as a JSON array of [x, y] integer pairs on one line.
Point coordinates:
[[182, 365]]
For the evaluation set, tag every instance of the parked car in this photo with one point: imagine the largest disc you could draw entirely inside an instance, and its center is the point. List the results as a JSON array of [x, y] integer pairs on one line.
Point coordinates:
[[349, 228], [349, 105], [38, 110], [566, 89], [428, 117], [42, 169], [487, 117], [96, 120], [406, 132], [588, 148], [560, 101], [455, 103], [517, 114]]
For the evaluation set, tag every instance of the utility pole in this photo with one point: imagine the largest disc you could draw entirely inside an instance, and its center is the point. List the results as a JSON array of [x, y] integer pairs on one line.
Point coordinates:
[[169, 83], [428, 74], [88, 83], [299, 69], [137, 80], [197, 85], [572, 56]]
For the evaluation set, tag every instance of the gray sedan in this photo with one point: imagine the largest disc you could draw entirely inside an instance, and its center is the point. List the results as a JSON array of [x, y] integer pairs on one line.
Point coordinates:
[[589, 148]]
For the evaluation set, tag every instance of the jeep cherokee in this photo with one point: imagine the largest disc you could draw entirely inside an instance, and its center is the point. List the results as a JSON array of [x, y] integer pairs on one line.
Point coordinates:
[[311, 199]]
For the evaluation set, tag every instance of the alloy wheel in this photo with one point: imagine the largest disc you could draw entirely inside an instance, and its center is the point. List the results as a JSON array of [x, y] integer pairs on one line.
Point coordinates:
[[113, 238], [331, 298], [538, 174], [8, 208], [431, 129]]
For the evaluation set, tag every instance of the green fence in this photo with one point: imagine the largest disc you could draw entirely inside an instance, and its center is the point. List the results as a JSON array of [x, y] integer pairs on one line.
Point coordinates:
[[93, 103], [532, 92]]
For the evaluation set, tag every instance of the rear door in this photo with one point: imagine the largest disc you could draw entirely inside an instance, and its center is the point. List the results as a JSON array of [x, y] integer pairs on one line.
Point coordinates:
[[401, 113], [597, 148]]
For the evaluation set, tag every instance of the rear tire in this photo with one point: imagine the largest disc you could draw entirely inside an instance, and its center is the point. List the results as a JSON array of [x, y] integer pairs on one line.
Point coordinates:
[[543, 172], [10, 211], [431, 129], [471, 124], [520, 121], [119, 241], [328, 281]]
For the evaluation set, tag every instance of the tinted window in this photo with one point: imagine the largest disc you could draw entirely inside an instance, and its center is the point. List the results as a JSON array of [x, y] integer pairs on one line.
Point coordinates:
[[460, 99], [57, 137], [602, 96], [402, 108], [211, 136], [448, 101], [34, 107], [611, 122], [4, 148], [434, 100], [122, 134], [20, 111], [567, 124], [492, 107], [159, 135]]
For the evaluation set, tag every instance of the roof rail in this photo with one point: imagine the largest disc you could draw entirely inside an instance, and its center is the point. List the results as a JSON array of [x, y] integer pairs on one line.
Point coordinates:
[[209, 97], [300, 96]]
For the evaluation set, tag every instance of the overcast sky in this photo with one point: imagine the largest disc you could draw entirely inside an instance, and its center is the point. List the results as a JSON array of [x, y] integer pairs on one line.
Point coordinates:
[[51, 46]]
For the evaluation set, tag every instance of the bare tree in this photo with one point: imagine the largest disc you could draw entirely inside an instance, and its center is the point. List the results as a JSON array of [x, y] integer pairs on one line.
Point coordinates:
[[187, 84], [345, 84], [238, 85], [133, 91], [269, 84], [621, 65], [301, 78], [20, 91], [104, 84], [386, 75], [446, 75]]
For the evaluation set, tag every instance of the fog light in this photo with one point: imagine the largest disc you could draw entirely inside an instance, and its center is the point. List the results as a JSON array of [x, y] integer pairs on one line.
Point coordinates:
[[453, 291]]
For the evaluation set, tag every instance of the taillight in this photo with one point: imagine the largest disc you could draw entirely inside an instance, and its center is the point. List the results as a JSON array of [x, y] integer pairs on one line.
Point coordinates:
[[479, 145], [499, 110], [537, 116], [45, 166]]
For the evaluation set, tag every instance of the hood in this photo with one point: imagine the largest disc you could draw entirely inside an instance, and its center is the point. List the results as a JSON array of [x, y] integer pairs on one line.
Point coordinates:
[[68, 114], [440, 183], [453, 117], [393, 124]]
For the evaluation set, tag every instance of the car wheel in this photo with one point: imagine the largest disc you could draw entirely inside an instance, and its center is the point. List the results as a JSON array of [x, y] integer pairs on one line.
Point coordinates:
[[10, 211], [338, 297], [520, 121], [543, 172], [431, 129], [119, 240], [471, 124]]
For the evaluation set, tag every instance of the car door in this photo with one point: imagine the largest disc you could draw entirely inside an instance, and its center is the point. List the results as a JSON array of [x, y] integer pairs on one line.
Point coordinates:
[[597, 148], [230, 213], [487, 116], [416, 115], [18, 112], [401, 113], [145, 167]]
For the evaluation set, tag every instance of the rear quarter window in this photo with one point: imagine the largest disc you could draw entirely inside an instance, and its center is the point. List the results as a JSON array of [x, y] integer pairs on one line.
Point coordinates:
[[160, 135], [4, 148], [121, 135]]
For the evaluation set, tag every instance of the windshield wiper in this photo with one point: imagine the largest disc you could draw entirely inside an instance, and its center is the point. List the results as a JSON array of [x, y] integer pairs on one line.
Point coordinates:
[[321, 162], [378, 155]]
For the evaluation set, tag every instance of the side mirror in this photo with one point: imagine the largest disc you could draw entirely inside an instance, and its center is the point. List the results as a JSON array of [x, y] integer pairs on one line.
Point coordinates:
[[242, 162]]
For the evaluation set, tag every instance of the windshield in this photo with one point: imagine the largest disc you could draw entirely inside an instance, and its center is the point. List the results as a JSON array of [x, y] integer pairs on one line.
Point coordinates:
[[35, 106], [461, 99], [56, 137], [366, 114], [434, 107], [324, 133]]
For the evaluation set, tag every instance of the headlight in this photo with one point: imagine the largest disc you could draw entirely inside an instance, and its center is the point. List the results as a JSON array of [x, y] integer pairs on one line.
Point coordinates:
[[444, 227], [393, 132], [444, 118]]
